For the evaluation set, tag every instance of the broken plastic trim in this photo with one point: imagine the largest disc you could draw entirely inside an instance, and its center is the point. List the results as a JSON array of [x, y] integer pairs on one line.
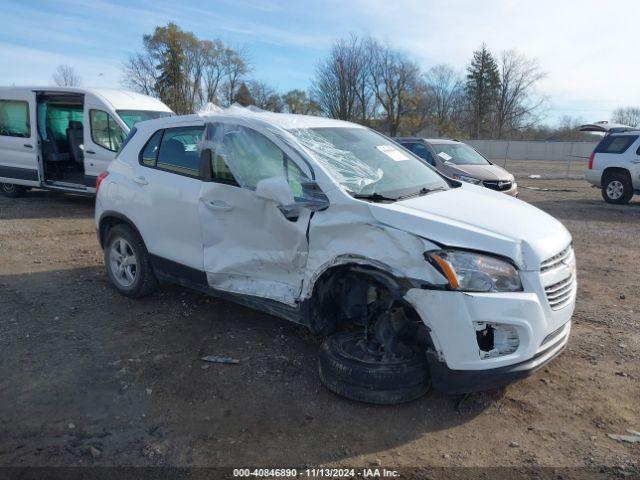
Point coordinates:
[[496, 339]]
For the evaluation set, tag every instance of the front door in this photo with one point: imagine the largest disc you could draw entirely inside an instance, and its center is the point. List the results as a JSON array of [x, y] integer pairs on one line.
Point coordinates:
[[103, 135], [250, 246], [19, 140]]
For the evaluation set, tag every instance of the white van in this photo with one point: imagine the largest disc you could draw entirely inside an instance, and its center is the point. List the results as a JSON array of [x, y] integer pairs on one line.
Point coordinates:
[[62, 138]]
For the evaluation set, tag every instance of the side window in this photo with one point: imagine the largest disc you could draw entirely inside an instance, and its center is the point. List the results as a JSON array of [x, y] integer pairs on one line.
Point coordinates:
[[14, 119], [105, 131], [252, 157], [175, 150], [615, 143], [149, 153]]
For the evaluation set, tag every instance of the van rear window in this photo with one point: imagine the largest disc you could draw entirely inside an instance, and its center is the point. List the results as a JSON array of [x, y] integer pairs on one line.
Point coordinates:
[[615, 143]]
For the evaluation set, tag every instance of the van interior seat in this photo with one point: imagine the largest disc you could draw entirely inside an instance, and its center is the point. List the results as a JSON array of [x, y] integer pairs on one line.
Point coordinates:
[[75, 138], [54, 152]]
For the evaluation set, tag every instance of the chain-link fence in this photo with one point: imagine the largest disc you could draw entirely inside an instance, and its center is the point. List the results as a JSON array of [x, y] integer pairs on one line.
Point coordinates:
[[527, 158]]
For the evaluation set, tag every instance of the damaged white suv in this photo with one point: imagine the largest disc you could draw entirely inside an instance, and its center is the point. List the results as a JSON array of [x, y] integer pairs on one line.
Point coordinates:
[[415, 280]]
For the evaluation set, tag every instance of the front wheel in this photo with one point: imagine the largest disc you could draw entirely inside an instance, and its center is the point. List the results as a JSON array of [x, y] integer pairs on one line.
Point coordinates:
[[617, 188], [12, 191], [348, 368], [127, 262]]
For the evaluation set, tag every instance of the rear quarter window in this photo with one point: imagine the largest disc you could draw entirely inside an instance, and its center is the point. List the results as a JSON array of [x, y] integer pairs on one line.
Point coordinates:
[[615, 143]]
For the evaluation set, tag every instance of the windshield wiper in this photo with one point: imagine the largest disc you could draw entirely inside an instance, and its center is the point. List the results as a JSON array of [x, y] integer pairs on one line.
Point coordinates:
[[419, 193], [374, 197]]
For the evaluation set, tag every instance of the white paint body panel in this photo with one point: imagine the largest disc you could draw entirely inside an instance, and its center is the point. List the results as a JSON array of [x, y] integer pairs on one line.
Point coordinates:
[[21, 152], [246, 245]]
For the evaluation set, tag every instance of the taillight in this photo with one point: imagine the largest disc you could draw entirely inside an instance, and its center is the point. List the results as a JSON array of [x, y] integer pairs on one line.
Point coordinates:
[[99, 180], [591, 157]]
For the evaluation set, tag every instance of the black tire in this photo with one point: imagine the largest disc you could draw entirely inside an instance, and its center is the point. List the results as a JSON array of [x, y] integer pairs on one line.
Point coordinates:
[[368, 381], [145, 281], [611, 186], [12, 191]]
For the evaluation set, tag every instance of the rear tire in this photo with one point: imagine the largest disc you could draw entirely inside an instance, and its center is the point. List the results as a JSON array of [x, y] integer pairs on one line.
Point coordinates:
[[617, 188], [12, 191], [128, 263], [382, 383]]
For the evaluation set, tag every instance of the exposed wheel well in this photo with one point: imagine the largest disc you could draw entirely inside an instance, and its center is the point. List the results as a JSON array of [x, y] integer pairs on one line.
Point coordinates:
[[360, 296], [614, 170]]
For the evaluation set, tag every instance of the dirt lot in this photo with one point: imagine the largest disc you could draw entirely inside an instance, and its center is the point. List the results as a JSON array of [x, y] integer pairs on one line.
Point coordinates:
[[88, 377]]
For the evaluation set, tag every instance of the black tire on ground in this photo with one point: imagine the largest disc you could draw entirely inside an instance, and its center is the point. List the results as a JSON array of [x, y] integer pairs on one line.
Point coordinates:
[[12, 191], [617, 188], [145, 280], [369, 381]]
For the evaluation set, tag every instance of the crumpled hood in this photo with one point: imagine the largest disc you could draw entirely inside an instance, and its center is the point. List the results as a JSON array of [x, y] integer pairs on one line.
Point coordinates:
[[484, 172], [477, 218]]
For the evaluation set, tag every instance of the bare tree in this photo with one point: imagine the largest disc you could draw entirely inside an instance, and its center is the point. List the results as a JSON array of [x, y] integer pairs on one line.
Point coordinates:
[[340, 80], [393, 79], [235, 68], [264, 96], [446, 89], [627, 116], [214, 70], [66, 76], [140, 74], [518, 104]]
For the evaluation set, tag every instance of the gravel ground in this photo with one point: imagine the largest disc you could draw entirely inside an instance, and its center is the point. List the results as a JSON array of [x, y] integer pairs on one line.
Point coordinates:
[[88, 377]]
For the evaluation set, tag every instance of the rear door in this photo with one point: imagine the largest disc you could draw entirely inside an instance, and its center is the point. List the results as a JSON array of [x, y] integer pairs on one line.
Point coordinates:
[[103, 136], [166, 191], [19, 140]]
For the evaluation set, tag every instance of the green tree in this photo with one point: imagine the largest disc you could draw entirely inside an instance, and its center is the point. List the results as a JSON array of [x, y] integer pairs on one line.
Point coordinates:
[[482, 88], [243, 95], [297, 101]]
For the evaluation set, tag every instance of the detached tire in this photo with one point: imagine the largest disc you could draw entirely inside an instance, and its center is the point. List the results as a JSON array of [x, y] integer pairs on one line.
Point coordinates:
[[12, 191], [617, 188], [127, 262], [371, 381]]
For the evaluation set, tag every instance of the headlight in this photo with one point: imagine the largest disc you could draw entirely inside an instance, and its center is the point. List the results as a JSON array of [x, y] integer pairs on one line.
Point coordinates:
[[475, 272], [464, 178]]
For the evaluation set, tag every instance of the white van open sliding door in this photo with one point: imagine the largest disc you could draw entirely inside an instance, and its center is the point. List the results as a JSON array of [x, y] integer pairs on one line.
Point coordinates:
[[18, 139]]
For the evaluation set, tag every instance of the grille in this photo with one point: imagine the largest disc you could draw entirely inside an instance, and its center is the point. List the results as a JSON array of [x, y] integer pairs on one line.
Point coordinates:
[[498, 185], [556, 260], [559, 294]]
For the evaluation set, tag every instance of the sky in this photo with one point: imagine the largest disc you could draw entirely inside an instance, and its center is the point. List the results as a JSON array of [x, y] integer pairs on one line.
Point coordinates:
[[586, 48]]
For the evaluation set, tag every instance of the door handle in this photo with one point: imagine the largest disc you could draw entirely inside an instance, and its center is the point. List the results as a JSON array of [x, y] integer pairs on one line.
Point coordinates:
[[28, 145], [140, 180], [637, 160], [90, 152], [218, 205]]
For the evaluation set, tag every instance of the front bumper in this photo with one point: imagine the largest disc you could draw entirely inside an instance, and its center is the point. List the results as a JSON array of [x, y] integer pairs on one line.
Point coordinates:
[[451, 382], [459, 365], [513, 191]]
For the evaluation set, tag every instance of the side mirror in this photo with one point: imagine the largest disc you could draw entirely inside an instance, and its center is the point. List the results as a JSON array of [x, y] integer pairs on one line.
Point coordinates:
[[275, 189]]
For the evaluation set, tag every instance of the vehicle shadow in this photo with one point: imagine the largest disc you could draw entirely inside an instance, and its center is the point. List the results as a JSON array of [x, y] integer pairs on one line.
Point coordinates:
[[46, 204], [92, 368]]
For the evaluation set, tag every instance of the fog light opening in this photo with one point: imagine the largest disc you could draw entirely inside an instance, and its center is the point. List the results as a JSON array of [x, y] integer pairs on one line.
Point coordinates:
[[495, 339]]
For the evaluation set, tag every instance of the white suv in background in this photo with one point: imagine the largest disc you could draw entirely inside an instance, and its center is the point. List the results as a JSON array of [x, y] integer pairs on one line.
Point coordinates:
[[414, 279], [614, 166]]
